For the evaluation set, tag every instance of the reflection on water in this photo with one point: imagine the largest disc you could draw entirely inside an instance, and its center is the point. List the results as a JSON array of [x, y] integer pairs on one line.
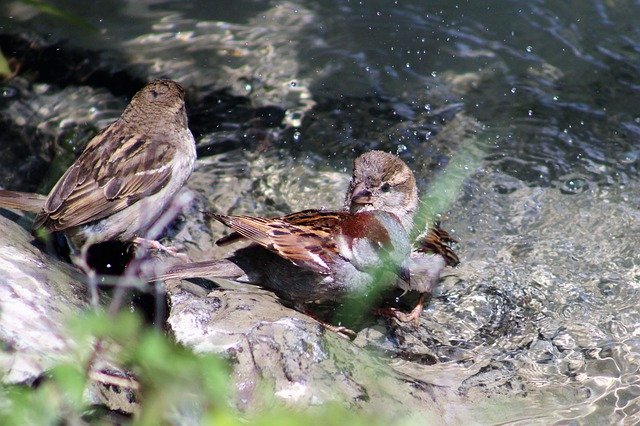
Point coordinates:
[[544, 307]]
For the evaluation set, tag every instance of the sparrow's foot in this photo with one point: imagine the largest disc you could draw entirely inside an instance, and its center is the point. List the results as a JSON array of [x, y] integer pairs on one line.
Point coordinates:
[[156, 245], [413, 316], [341, 331]]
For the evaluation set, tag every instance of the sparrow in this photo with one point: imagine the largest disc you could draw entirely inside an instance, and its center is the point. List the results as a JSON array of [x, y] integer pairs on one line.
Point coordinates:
[[125, 177], [382, 181], [25, 201], [312, 256], [318, 255]]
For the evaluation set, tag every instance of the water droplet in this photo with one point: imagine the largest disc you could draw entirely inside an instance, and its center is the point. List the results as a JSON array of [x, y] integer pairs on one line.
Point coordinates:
[[248, 87], [293, 84], [434, 74], [530, 113], [513, 90], [407, 65], [555, 98], [529, 49], [574, 185], [401, 148], [630, 157], [8, 92], [296, 136]]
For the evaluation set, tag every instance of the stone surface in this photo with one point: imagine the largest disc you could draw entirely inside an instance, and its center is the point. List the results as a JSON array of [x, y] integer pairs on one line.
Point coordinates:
[[299, 359], [37, 294]]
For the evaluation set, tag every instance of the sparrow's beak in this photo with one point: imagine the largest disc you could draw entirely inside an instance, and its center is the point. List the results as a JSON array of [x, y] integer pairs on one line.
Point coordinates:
[[360, 195]]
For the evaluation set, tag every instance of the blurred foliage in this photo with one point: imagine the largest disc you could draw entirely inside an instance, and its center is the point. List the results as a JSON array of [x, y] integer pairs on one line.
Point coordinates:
[[47, 8], [174, 385], [5, 69], [446, 187]]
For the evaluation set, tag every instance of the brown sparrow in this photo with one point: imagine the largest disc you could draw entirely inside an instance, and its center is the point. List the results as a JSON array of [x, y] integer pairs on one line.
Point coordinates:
[[125, 177], [316, 255], [383, 181], [310, 256]]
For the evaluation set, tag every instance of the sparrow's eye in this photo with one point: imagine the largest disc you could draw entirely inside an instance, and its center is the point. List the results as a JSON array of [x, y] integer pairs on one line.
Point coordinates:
[[385, 187], [152, 95]]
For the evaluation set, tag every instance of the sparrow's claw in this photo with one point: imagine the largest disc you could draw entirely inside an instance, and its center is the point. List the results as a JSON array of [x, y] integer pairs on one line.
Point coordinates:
[[413, 316], [156, 245], [341, 331]]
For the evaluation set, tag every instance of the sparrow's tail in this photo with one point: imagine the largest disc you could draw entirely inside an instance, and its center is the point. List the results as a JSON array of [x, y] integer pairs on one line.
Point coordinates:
[[438, 241], [26, 201], [220, 268]]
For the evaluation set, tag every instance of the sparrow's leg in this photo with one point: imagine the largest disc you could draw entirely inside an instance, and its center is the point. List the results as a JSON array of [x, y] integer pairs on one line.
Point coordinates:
[[153, 244]]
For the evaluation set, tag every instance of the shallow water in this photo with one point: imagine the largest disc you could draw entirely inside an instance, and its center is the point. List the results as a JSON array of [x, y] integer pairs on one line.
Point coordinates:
[[544, 307]]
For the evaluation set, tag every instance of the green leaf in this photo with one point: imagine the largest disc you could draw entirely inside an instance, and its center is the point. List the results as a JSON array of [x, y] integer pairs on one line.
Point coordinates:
[[24, 405], [123, 329], [72, 380]]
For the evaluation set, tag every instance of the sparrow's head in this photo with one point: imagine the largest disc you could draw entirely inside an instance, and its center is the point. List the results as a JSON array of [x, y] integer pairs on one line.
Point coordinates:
[[382, 181], [159, 102]]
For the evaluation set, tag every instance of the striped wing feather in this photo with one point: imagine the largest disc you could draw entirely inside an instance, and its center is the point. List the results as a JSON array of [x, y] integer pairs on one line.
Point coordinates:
[[298, 240], [111, 174], [325, 220]]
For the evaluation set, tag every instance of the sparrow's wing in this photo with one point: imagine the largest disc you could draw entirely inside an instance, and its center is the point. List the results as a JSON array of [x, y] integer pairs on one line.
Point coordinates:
[[319, 219], [306, 246], [230, 239], [437, 241], [116, 169]]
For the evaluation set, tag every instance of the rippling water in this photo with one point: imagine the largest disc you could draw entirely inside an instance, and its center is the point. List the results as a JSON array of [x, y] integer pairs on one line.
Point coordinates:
[[544, 308]]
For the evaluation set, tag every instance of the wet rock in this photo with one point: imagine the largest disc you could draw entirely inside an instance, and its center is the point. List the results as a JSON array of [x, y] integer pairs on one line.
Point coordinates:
[[245, 167], [268, 340], [45, 128], [37, 295], [302, 362]]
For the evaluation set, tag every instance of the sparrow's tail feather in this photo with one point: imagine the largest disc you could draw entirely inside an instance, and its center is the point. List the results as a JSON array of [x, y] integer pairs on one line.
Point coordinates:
[[26, 201], [220, 268], [438, 241]]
